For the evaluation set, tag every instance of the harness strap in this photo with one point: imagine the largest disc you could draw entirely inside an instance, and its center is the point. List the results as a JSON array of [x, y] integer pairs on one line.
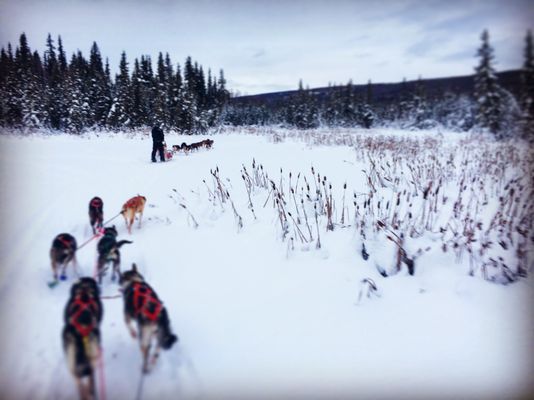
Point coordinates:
[[89, 305], [64, 240], [96, 203], [133, 202], [145, 302]]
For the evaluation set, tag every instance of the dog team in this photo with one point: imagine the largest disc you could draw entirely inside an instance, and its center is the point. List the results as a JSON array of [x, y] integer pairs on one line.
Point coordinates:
[[186, 148], [84, 310]]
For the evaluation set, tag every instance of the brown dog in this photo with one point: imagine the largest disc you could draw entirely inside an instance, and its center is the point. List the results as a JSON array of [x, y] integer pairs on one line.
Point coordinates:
[[96, 213], [142, 304], [63, 252], [81, 334], [136, 205]]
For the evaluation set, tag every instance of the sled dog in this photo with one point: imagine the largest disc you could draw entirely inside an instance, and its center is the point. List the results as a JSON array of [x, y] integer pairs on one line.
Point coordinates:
[[96, 213], [108, 252], [81, 334], [142, 304], [136, 205], [62, 252]]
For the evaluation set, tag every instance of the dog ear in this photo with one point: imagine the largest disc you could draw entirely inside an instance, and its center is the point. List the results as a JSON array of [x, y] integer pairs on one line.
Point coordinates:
[[134, 267]]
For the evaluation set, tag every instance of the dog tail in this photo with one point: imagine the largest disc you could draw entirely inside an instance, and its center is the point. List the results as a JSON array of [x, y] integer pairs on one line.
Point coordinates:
[[120, 243], [166, 337]]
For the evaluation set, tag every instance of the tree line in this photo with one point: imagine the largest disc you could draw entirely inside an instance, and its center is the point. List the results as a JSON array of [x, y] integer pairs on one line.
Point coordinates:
[[489, 106], [50, 92]]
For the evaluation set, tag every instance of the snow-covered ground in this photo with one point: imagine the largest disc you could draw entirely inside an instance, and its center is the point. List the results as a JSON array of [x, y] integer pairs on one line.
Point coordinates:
[[258, 316]]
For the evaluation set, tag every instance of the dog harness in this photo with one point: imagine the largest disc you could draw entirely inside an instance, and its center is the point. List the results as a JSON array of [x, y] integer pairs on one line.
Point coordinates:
[[145, 302], [96, 202], [65, 241], [83, 306], [134, 202]]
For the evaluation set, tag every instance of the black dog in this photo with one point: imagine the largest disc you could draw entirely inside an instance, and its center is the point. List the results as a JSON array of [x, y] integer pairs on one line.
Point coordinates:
[[81, 334], [108, 251], [96, 213], [143, 305], [63, 251]]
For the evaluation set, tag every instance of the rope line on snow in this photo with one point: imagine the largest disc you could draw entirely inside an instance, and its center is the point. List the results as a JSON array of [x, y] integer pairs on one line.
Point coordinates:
[[101, 375], [116, 296], [99, 232], [140, 386]]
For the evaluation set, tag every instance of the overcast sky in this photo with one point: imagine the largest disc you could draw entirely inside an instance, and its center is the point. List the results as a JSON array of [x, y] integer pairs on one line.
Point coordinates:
[[266, 46]]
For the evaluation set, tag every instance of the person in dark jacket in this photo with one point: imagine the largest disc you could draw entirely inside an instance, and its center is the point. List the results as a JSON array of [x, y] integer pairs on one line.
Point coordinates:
[[157, 143]]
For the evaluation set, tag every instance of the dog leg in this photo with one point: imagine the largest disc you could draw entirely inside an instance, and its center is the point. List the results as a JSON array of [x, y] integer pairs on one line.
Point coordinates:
[[131, 329], [140, 218], [116, 267], [145, 342], [145, 350], [92, 386], [54, 268], [100, 268], [126, 220], [155, 355], [146, 336], [81, 388], [75, 266], [63, 275]]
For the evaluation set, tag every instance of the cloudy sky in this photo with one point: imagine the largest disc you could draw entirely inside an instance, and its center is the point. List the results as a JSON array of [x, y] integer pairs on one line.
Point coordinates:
[[266, 46]]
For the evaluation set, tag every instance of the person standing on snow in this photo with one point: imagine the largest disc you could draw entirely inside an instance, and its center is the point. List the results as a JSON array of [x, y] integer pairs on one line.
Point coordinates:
[[157, 143]]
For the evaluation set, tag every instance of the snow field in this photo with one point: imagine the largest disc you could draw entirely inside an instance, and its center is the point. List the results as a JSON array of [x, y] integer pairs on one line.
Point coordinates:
[[255, 320]]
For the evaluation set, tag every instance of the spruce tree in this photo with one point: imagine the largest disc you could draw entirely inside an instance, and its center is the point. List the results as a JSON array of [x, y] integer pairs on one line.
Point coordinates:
[[136, 104], [527, 95], [160, 90], [62, 58], [78, 113], [119, 114], [178, 108], [8, 105], [487, 90], [53, 88], [99, 92]]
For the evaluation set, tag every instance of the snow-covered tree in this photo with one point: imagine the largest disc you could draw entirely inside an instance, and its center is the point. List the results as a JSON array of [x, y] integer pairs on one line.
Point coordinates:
[[488, 93], [527, 95], [99, 89], [78, 115], [455, 112], [119, 114]]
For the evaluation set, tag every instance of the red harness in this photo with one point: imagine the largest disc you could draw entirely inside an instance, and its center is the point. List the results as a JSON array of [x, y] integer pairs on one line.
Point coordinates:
[[65, 240], [134, 202], [145, 302], [90, 306], [97, 203]]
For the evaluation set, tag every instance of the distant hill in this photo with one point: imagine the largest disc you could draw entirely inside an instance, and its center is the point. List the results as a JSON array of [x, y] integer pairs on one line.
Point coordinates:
[[387, 92]]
